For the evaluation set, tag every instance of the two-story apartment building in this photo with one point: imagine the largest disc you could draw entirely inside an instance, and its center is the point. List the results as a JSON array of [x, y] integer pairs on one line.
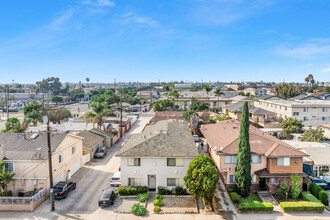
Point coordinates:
[[27, 156], [273, 161], [212, 103], [312, 112], [159, 156]]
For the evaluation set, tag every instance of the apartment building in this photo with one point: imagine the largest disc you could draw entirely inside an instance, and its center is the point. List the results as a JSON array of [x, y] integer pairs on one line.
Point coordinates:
[[312, 112]]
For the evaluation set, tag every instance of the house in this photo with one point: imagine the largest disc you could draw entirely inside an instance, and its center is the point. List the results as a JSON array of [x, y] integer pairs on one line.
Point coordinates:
[[125, 125], [321, 95], [312, 112], [160, 116], [273, 161], [258, 116], [108, 136], [90, 144], [159, 156], [326, 129], [27, 156], [212, 103]]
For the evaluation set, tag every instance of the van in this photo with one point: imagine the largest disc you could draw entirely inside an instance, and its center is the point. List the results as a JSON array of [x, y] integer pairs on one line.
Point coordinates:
[[115, 180]]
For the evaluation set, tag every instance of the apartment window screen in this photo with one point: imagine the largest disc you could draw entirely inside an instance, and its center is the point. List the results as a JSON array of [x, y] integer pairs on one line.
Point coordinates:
[[133, 162]]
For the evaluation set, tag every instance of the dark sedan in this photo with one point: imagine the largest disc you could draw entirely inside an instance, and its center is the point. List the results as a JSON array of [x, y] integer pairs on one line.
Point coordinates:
[[108, 197], [62, 189]]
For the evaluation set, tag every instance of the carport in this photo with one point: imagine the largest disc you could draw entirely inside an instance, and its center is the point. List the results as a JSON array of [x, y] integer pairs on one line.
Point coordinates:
[[320, 157]]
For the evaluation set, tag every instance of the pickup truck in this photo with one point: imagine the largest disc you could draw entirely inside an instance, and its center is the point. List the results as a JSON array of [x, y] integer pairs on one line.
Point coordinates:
[[62, 189], [101, 152]]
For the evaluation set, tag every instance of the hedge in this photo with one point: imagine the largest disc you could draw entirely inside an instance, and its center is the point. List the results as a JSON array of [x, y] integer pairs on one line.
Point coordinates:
[[323, 196], [302, 206], [315, 190], [131, 190], [164, 191], [306, 196], [255, 206], [234, 197]]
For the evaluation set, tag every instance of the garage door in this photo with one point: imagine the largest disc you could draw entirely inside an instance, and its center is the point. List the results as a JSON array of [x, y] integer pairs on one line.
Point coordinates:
[[59, 177], [75, 166]]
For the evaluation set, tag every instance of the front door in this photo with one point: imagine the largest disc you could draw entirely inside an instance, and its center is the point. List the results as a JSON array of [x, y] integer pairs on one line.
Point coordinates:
[[152, 182], [262, 183]]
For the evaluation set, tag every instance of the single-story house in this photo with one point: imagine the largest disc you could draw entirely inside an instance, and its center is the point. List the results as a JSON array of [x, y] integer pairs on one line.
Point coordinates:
[[91, 143]]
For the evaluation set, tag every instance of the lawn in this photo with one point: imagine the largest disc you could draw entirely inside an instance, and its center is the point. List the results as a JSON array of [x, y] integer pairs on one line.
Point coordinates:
[[251, 198]]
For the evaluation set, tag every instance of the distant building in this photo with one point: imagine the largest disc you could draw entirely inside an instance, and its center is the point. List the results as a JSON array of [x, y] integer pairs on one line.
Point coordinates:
[[182, 86]]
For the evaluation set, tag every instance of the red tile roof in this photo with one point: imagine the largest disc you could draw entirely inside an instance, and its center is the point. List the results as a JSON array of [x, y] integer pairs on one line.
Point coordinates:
[[223, 138]]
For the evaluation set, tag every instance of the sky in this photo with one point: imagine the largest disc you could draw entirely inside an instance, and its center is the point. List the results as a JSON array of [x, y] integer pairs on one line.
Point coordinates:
[[166, 40]]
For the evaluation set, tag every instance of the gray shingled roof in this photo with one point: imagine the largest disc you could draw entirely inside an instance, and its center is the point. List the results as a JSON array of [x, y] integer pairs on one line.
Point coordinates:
[[234, 107], [18, 147], [90, 139], [238, 107], [168, 138]]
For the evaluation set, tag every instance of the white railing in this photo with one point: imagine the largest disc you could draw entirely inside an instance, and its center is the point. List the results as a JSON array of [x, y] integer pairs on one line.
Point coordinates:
[[23, 200]]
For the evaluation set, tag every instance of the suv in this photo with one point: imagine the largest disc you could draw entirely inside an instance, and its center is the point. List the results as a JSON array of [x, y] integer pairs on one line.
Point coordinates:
[[115, 179], [108, 197], [101, 152], [62, 189]]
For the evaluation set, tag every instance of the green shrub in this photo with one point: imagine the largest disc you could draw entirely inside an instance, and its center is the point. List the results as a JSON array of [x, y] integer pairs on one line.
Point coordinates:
[[164, 191], [323, 196], [160, 197], [142, 197], [234, 197], [157, 209], [138, 209], [302, 206], [131, 190], [180, 191], [306, 196], [255, 207], [230, 189], [158, 202], [282, 190], [315, 190]]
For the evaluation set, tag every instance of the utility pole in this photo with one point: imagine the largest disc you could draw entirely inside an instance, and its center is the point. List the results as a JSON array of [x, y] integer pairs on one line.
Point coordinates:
[[121, 114], [50, 167], [140, 100], [7, 101]]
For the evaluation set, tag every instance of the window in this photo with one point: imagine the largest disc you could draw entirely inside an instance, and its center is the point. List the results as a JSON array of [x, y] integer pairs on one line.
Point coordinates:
[[175, 182], [280, 107], [324, 109], [232, 179], [274, 181], [134, 181], [254, 178], [74, 149], [295, 113], [286, 108], [175, 162], [256, 159], [305, 119], [60, 158], [230, 159], [324, 118], [305, 109], [9, 166], [283, 161], [133, 161]]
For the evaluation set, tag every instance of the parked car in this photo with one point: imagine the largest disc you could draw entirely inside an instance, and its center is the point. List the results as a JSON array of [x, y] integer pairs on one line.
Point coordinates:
[[108, 197], [62, 189], [320, 183], [196, 138], [101, 152], [326, 179], [115, 180], [151, 120]]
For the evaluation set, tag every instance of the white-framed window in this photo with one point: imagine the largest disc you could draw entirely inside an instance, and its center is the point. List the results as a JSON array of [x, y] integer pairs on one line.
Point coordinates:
[[324, 118], [286, 108], [255, 159], [175, 182], [133, 161], [274, 180], [73, 149], [175, 162], [324, 109], [60, 158], [295, 113], [134, 181], [9, 166], [254, 178], [230, 159], [305, 119], [232, 179], [283, 161], [305, 109]]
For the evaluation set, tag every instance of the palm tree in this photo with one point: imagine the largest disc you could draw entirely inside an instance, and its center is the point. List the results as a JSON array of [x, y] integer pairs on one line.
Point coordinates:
[[5, 177], [218, 92], [207, 89], [33, 117], [193, 99], [167, 88], [87, 80], [99, 110], [19, 87]]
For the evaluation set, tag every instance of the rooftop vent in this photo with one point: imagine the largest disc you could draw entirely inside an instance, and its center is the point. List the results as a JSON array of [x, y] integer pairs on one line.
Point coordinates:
[[34, 136]]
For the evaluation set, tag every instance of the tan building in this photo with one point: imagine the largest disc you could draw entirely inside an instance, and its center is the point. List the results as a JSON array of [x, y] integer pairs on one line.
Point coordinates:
[[27, 156], [273, 161], [91, 142], [326, 129]]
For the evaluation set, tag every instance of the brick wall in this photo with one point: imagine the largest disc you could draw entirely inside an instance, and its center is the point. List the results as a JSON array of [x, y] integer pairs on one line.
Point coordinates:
[[296, 166]]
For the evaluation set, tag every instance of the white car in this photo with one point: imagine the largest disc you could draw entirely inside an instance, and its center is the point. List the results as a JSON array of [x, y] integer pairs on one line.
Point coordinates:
[[115, 180], [196, 138]]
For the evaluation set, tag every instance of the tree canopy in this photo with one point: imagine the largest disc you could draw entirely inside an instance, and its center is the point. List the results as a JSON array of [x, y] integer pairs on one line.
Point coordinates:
[[163, 105], [313, 135], [13, 125], [292, 125], [185, 114], [6, 177], [99, 110], [33, 117], [51, 84], [199, 106], [286, 91], [202, 177]]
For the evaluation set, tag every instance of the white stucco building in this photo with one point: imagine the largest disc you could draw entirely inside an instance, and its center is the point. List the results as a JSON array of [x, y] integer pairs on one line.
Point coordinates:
[[159, 156], [312, 112]]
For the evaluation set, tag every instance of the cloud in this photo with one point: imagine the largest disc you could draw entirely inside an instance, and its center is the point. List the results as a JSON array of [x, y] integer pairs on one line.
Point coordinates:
[[266, 31], [326, 70], [63, 17], [98, 3], [309, 49], [132, 18]]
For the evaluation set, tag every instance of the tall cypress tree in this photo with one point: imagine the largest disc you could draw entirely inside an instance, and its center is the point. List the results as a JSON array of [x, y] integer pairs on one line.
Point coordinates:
[[243, 168]]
